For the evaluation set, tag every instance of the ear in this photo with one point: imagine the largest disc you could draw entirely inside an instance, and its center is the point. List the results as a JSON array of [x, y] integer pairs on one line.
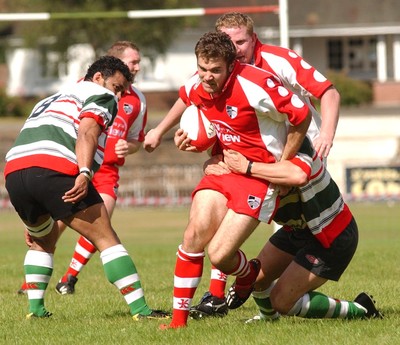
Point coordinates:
[[98, 78], [230, 68]]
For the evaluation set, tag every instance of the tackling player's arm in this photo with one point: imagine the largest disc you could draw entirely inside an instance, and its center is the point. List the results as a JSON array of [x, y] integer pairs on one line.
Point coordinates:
[[280, 173]]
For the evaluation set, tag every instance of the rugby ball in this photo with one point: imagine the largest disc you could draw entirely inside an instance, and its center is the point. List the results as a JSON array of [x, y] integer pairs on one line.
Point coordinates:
[[199, 129]]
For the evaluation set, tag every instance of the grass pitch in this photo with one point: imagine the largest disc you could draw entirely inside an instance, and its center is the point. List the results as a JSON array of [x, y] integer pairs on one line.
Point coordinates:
[[97, 313]]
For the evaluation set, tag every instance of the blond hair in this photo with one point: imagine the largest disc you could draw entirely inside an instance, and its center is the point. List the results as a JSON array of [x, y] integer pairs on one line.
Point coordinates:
[[235, 20], [118, 48]]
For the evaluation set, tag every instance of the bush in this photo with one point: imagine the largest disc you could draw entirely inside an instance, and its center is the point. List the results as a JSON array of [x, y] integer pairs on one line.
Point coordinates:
[[352, 92], [15, 106], [9, 106]]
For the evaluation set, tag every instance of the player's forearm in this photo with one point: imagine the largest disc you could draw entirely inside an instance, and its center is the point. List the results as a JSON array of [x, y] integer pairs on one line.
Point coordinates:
[[280, 173], [330, 104], [86, 143], [295, 137], [172, 118]]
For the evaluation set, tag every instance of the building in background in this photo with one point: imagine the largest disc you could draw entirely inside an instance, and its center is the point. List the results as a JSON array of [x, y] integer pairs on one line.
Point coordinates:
[[360, 38]]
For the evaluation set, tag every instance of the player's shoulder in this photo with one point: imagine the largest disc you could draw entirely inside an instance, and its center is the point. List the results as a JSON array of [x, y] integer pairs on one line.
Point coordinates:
[[256, 74], [134, 92], [83, 91], [277, 50]]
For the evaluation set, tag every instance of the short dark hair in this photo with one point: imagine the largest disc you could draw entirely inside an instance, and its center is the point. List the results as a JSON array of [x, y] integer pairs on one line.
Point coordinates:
[[216, 45], [108, 66]]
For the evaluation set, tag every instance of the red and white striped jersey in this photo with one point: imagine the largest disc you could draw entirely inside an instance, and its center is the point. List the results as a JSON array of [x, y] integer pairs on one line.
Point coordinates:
[[296, 74], [129, 124], [250, 113]]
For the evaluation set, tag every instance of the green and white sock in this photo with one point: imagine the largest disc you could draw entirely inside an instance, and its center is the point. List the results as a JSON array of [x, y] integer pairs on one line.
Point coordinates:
[[38, 267], [317, 305], [264, 304], [121, 271]]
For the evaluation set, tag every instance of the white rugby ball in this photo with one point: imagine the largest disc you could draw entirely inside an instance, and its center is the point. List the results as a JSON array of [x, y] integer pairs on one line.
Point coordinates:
[[199, 129]]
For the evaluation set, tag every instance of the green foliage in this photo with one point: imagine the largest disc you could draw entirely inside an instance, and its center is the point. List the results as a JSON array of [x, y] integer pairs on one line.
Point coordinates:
[[97, 314], [14, 106], [352, 92], [153, 35]]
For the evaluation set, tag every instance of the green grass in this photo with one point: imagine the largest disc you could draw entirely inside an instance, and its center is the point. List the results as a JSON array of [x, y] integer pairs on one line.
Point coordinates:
[[97, 314]]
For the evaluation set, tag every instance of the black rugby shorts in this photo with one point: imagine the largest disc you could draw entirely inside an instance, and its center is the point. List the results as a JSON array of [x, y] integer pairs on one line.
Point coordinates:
[[37, 191], [328, 263]]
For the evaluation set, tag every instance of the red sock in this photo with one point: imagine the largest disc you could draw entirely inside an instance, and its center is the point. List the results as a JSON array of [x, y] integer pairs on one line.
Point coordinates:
[[84, 250], [188, 271], [217, 282], [242, 270]]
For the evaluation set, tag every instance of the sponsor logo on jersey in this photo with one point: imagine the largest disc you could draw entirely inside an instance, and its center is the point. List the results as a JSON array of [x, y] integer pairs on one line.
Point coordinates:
[[253, 202], [119, 128], [128, 108], [231, 111], [225, 133]]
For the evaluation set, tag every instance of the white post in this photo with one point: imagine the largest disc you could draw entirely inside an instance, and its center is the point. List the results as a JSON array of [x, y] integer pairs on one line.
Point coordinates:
[[298, 46], [396, 57], [283, 23], [381, 59]]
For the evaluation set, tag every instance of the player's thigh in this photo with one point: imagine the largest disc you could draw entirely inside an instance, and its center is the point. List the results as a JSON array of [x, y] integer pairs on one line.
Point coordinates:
[[206, 213], [294, 282], [94, 224], [109, 202], [233, 231], [274, 262]]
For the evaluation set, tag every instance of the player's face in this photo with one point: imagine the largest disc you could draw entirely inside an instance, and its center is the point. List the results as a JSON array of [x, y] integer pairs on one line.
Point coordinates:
[[213, 73], [243, 42], [131, 58], [117, 83]]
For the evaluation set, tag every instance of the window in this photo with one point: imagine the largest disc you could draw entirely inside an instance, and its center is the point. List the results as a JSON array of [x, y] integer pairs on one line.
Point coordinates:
[[355, 55], [335, 54]]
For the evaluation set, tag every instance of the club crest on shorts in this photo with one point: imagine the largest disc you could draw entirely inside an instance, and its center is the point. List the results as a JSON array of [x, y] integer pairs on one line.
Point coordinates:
[[128, 108], [312, 259], [253, 202], [231, 111]]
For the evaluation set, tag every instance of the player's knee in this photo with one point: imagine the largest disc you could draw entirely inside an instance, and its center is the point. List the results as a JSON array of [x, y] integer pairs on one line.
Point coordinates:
[[214, 257]]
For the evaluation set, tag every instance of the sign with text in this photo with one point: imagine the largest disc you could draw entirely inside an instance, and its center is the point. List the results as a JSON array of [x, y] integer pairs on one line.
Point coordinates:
[[373, 182]]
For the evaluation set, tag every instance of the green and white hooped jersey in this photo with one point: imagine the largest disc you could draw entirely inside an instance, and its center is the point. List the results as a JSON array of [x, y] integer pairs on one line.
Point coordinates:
[[317, 206], [48, 137]]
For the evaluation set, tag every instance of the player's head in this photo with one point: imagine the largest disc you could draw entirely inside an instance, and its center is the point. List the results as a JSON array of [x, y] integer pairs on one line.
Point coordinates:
[[240, 28], [129, 53], [109, 72], [215, 55]]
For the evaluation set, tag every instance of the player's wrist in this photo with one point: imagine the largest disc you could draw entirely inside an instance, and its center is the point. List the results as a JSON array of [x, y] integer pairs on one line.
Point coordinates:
[[249, 167], [88, 173]]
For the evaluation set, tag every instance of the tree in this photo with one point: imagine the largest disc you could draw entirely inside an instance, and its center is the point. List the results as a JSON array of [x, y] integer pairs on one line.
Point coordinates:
[[153, 36]]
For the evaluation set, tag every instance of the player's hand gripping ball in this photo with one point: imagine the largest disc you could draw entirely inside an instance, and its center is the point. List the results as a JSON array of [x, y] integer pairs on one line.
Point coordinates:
[[199, 129]]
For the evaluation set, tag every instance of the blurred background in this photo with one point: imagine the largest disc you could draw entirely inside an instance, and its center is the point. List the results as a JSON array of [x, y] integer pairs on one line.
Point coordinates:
[[45, 44]]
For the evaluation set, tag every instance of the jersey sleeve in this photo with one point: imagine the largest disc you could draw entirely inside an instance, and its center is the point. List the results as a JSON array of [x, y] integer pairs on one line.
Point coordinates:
[[102, 108], [267, 94], [294, 71]]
